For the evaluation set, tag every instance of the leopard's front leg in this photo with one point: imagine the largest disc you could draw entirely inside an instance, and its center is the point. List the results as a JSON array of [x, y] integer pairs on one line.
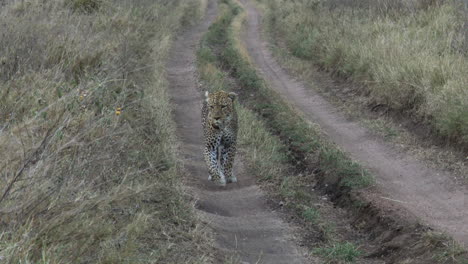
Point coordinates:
[[227, 162], [216, 174]]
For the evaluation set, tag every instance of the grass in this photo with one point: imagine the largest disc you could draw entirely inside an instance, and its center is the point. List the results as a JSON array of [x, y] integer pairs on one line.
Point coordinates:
[[87, 149], [340, 253], [380, 126], [386, 124], [408, 55], [449, 251], [311, 214]]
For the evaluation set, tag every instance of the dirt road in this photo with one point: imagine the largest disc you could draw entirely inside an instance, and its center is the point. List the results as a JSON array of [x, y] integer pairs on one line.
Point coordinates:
[[243, 223], [406, 182]]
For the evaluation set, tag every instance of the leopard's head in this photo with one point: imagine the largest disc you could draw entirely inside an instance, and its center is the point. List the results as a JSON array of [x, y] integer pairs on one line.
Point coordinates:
[[220, 108]]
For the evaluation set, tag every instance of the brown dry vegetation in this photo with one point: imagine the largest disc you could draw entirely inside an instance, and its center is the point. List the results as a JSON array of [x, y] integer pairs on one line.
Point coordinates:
[[88, 171], [410, 56]]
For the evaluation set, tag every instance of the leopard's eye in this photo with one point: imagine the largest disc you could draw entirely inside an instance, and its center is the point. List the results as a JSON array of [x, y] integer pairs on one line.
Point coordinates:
[[223, 106], [211, 107]]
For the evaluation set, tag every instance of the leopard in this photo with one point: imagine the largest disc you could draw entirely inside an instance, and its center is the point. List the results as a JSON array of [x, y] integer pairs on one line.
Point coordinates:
[[219, 121]]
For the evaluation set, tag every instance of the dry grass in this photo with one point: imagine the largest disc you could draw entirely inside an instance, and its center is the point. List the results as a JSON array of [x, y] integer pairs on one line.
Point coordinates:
[[88, 170], [410, 55]]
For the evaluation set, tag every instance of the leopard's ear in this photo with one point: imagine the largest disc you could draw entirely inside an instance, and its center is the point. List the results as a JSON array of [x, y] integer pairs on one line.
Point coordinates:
[[206, 96], [232, 96]]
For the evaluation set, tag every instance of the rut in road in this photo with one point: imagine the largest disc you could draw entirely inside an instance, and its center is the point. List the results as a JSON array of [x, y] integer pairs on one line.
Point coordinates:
[[429, 194], [244, 225]]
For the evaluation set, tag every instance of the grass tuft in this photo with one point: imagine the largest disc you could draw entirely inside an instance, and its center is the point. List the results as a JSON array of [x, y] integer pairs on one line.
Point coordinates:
[[86, 6], [342, 252], [311, 214]]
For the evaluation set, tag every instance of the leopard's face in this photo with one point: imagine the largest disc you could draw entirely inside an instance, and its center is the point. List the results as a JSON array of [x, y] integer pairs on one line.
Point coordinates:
[[220, 107]]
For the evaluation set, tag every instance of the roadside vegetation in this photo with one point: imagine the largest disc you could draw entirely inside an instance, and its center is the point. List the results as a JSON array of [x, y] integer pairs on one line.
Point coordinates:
[[88, 166], [343, 252], [291, 157], [409, 56]]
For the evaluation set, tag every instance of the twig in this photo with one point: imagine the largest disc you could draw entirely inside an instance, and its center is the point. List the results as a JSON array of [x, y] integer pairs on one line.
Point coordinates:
[[30, 159], [393, 200]]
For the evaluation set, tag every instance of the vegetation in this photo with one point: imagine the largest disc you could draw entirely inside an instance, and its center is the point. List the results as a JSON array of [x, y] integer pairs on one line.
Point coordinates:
[[88, 169], [341, 252], [410, 56]]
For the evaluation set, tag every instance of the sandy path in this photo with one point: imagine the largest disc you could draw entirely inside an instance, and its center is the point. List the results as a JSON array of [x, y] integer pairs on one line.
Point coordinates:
[[429, 194], [243, 223]]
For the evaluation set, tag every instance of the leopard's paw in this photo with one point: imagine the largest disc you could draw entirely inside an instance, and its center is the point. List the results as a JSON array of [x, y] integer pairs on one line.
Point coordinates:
[[232, 179], [220, 182]]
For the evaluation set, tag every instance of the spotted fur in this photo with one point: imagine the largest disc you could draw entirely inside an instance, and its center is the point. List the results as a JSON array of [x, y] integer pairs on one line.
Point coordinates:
[[219, 120]]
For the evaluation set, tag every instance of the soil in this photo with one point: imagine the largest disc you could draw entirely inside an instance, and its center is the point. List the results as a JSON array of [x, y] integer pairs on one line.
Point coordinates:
[[243, 224], [405, 186]]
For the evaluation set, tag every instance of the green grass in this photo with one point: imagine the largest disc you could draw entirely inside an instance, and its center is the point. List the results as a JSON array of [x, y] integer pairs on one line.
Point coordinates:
[[410, 58], [382, 127], [341, 252], [87, 148], [311, 214], [87, 6], [448, 251]]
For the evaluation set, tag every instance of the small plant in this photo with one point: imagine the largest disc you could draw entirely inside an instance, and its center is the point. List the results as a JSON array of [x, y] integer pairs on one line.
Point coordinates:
[[346, 252], [311, 214], [448, 250], [86, 6]]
